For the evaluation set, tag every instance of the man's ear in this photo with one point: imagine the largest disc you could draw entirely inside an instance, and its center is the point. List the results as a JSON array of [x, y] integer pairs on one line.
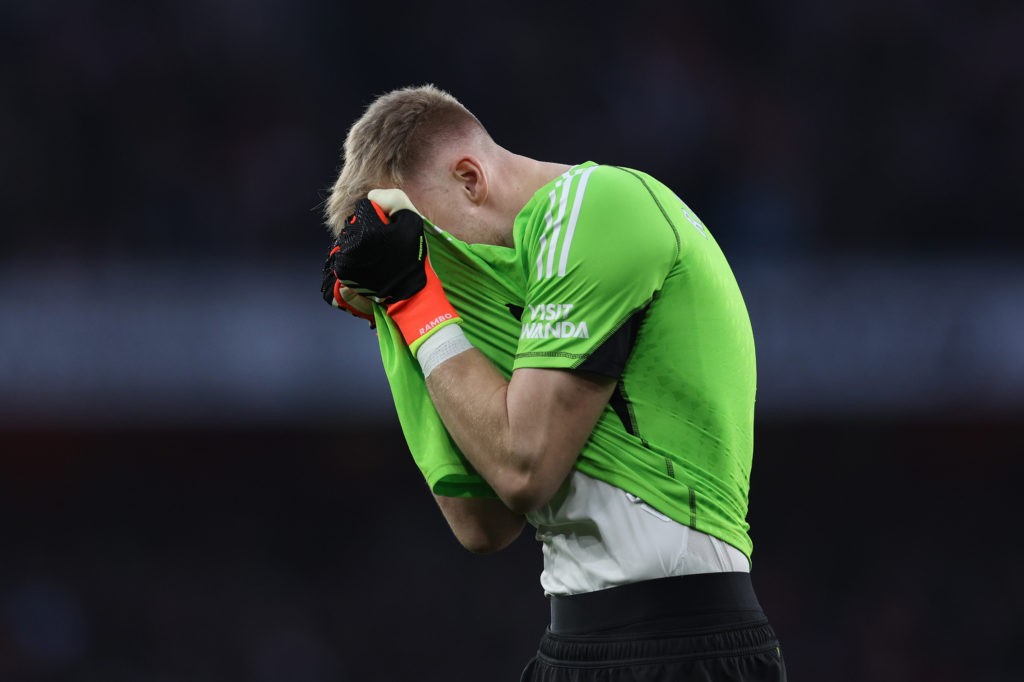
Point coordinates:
[[470, 173]]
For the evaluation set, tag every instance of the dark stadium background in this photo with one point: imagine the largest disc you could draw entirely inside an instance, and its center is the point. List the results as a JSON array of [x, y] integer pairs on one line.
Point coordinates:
[[201, 476]]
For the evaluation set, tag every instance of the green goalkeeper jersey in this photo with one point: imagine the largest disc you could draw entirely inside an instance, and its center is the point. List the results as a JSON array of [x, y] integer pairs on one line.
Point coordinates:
[[612, 273]]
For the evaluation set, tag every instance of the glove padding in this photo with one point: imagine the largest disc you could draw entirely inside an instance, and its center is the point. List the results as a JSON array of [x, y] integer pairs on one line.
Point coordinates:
[[381, 256], [337, 295]]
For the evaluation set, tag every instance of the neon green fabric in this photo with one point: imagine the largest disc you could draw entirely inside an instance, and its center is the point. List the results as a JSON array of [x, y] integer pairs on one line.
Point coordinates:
[[438, 458], [593, 248]]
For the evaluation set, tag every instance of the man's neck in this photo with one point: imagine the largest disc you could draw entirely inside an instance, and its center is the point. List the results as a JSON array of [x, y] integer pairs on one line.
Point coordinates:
[[522, 177], [531, 175]]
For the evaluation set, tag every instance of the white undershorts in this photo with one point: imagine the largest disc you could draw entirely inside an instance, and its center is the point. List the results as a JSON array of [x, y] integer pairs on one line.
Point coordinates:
[[597, 536]]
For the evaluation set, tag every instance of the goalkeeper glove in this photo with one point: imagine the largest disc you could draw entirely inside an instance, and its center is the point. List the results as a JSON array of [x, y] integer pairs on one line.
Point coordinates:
[[383, 255], [340, 296]]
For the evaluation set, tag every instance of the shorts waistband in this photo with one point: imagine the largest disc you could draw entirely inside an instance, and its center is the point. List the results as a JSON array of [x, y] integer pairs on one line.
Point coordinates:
[[687, 597]]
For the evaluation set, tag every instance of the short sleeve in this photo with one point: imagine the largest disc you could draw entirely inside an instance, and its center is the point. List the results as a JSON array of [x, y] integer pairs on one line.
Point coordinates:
[[594, 262]]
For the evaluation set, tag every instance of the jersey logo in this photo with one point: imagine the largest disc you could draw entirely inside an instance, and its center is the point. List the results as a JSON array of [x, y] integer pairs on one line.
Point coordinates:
[[551, 320], [553, 256]]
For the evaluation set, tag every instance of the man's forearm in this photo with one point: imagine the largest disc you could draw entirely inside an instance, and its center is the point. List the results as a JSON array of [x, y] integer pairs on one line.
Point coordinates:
[[481, 525], [523, 436], [471, 396]]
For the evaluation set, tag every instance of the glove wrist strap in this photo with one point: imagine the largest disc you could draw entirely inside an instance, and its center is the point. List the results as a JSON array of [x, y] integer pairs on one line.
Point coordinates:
[[424, 313]]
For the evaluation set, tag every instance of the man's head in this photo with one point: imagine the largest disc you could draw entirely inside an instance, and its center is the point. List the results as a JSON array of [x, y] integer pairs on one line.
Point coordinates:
[[425, 142], [411, 138]]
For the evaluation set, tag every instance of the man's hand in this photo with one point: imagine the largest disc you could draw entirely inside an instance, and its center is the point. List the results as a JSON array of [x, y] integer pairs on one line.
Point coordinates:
[[340, 296], [382, 253]]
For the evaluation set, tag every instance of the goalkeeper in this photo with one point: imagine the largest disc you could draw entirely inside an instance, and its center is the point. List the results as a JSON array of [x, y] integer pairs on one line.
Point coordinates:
[[583, 341]]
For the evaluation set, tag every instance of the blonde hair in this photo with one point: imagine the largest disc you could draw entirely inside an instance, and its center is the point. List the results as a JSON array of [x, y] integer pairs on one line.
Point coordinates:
[[392, 140]]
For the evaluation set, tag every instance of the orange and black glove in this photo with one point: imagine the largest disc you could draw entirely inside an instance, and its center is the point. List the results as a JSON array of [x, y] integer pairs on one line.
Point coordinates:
[[382, 254], [339, 296]]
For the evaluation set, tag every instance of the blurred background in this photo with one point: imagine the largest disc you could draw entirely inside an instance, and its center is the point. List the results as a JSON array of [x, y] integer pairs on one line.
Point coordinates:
[[201, 473]]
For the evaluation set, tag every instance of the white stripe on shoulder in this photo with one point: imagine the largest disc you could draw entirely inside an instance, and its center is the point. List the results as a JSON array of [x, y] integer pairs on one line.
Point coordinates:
[[554, 219], [571, 229], [544, 235], [563, 202]]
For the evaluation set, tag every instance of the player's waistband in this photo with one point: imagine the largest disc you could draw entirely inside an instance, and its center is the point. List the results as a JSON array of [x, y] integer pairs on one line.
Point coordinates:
[[688, 600]]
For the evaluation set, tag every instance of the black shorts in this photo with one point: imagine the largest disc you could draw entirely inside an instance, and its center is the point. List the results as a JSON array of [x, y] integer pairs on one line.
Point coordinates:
[[707, 627]]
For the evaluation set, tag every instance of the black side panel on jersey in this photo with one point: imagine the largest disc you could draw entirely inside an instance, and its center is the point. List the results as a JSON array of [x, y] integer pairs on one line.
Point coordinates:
[[620, 403], [609, 359]]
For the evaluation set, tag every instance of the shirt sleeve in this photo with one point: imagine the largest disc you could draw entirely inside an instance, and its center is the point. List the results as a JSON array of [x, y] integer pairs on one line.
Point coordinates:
[[594, 263]]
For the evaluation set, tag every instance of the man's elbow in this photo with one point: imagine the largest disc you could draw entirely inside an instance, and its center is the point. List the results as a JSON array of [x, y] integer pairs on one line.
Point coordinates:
[[525, 492], [480, 542]]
